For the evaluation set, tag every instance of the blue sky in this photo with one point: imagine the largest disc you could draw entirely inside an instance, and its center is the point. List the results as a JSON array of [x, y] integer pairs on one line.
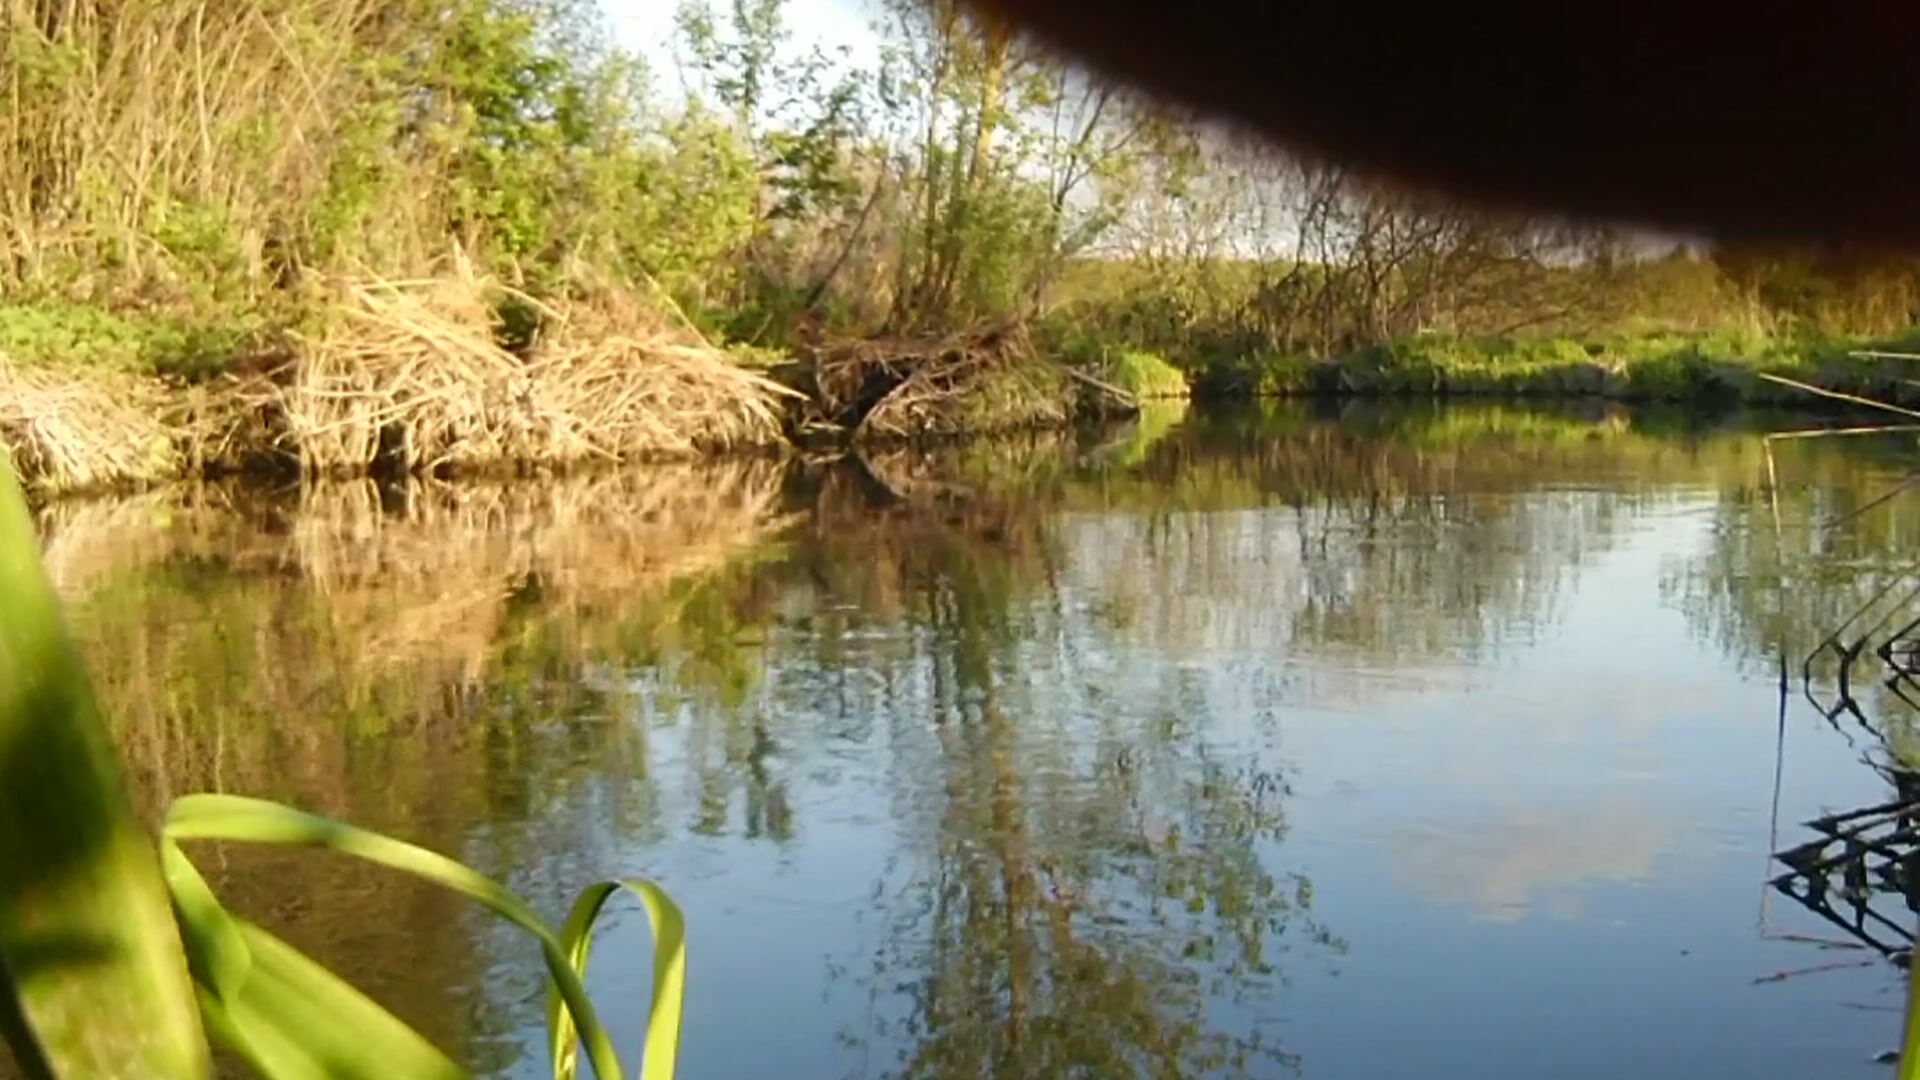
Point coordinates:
[[646, 26]]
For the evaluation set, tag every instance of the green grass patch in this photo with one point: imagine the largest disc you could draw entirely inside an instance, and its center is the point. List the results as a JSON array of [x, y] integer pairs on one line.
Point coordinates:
[[1141, 372], [61, 334], [1651, 367], [1145, 375], [756, 356], [1015, 396]]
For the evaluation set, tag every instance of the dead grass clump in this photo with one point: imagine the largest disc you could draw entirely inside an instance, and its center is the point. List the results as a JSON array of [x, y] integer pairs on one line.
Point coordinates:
[[980, 381], [72, 430], [411, 374], [639, 386]]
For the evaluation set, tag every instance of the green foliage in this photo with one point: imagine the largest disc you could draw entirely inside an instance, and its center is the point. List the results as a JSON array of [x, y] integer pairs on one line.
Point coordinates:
[[63, 334], [288, 1017], [90, 962], [201, 243], [72, 334], [1658, 367], [695, 207], [740, 59], [1137, 371]]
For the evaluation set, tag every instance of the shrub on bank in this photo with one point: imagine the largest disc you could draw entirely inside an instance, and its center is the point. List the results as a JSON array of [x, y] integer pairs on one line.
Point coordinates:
[[60, 334], [1142, 373], [1145, 375]]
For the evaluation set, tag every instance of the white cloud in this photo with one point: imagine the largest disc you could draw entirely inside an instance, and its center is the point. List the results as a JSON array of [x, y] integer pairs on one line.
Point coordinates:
[[1524, 860]]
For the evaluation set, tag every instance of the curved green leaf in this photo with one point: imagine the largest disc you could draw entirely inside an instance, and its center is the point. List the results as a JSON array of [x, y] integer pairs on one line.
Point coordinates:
[[662, 1047], [217, 956], [90, 962], [232, 817], [293, 1019], [289, 1017]]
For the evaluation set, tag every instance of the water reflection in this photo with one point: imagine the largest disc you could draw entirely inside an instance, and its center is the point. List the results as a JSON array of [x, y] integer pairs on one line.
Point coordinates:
[[1093, 866], [1508, 864], [1021, 757], [1856, 873]]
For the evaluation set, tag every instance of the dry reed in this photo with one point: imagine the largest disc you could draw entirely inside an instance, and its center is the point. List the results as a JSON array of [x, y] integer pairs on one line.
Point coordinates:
[[412, 374], [139, 131], [71, 430]]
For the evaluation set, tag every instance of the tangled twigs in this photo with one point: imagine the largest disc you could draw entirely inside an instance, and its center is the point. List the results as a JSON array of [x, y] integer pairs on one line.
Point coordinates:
[[983, 380]]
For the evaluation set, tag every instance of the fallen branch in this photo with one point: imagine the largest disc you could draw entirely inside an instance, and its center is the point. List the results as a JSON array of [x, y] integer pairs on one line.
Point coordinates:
[[1838, 395]]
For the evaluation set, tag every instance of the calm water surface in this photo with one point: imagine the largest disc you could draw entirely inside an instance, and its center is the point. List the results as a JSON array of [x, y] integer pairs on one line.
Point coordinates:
[[1436, 743]]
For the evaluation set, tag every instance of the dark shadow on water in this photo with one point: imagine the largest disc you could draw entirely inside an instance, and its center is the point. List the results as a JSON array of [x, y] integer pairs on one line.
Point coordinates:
[[1858, 873]]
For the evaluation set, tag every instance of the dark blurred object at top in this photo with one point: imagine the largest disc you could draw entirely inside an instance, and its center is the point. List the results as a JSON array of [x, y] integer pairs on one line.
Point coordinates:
[[1768, 121]]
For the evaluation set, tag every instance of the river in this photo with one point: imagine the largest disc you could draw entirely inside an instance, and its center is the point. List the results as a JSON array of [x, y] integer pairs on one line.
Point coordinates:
[[1331, 742]]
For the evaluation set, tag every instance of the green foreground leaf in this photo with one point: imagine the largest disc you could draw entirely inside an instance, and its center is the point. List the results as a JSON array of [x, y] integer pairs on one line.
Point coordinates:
[[669, 976], [289, 1017], [92, 979], [261, 996]]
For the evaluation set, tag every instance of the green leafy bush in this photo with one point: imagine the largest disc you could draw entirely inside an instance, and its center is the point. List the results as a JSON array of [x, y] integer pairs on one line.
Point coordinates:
[[1144, 375], [82, 335]]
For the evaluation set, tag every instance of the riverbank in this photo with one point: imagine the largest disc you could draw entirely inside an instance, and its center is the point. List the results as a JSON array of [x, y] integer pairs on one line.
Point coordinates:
[[460, 374], [1704, 369]]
